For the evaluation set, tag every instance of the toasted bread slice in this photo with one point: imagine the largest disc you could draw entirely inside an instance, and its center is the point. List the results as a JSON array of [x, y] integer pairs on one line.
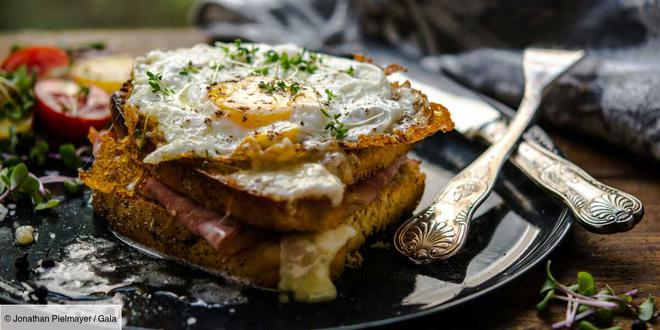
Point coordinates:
[[152, 226]]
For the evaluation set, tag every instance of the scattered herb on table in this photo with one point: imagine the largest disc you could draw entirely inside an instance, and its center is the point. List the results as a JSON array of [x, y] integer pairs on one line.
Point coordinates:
[[585, 303], [16, 181], [16, 94]]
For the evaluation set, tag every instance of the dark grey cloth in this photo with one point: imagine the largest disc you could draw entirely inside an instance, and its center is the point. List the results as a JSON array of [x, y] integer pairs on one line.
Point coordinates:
[[613, 95]]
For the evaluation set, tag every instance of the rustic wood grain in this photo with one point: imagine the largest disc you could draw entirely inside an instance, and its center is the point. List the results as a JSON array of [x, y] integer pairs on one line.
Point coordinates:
[[625, 261]]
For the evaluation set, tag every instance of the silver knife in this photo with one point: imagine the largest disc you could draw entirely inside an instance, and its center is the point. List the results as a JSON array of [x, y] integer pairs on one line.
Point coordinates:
[[596, 206]]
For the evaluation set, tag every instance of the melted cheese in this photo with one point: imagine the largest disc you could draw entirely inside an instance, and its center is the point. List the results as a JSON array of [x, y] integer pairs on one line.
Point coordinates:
[[305, 263], [303, 180], [215, 106]]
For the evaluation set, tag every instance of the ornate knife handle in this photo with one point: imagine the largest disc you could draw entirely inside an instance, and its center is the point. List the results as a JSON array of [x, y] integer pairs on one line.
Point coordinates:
[[598, 207]]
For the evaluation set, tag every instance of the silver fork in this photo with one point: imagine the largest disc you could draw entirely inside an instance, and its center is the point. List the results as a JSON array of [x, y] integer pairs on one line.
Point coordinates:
[[440, 230]]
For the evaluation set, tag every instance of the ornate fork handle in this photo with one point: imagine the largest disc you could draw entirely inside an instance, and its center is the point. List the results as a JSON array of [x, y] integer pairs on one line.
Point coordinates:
[[598, 207]]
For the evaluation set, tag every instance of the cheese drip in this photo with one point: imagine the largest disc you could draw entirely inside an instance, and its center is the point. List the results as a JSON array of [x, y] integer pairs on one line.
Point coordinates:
[[305, 263], [302, 180]]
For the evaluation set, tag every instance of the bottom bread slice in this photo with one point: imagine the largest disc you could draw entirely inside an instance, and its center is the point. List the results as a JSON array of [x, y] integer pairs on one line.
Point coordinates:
[[150, 225]]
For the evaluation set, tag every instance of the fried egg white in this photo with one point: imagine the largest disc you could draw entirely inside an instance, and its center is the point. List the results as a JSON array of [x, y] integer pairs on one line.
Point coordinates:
[[209, 100]]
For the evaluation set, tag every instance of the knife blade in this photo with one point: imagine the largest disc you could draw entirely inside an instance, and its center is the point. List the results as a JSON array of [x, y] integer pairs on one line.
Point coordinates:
[[596, 206]]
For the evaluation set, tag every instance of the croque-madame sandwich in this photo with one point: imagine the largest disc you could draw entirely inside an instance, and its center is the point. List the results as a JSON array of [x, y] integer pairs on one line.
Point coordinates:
[[270, 164]]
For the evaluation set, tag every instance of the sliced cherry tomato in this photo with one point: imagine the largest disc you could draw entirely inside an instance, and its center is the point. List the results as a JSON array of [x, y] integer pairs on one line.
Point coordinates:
[[43, 60], [69, 110]]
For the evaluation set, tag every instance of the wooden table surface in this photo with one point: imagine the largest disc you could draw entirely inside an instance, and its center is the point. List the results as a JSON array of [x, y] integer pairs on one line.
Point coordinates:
[[625, 261]]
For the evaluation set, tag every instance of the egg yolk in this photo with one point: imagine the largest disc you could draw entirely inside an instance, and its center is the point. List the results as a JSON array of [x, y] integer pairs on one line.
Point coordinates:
[[254, 102]]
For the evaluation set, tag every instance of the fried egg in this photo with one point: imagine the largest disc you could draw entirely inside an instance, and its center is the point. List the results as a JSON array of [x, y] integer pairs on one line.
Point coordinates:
[[211, 102]]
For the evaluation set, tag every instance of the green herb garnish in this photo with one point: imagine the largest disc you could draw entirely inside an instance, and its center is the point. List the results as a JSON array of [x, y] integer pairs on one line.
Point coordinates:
[[38, 153], [242, 53], [304, 61], [16, 182], [157, 84], [279, 86], [188, 69], [69, 157], [294, 88], [272, 56], [261, 71], [73, 186], [336, 128], [350, 71], [16, 94], [329, 94]]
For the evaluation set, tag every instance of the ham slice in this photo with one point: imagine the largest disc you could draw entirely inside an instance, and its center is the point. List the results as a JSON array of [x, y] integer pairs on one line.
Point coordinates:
[[224, 234], [229, 236], [366, 191]]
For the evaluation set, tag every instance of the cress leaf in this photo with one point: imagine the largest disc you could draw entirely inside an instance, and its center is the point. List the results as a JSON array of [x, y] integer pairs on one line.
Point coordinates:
[[38, 153], [604, 316], [583, 308], [69, 157], [624, 303], [73, 186], [586, 325], [548, 285], [586, 284], [29, 186], [546, 299], [646, 309], [18, 175], [36, 197], [47, 205]]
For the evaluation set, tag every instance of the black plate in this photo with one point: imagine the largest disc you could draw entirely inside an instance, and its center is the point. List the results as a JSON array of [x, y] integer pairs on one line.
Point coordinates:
[[514, 229]]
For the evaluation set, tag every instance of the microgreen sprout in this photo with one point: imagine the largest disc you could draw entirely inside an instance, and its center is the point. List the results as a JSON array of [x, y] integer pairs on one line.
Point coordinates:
[[16, 96], [350, 71], [584, 302], [304, 61], [279, 86], [16, 181], [329, 94], [241, 53], [272, 56], [261, 71], [189, 69], [335, 127], [157, 84]]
